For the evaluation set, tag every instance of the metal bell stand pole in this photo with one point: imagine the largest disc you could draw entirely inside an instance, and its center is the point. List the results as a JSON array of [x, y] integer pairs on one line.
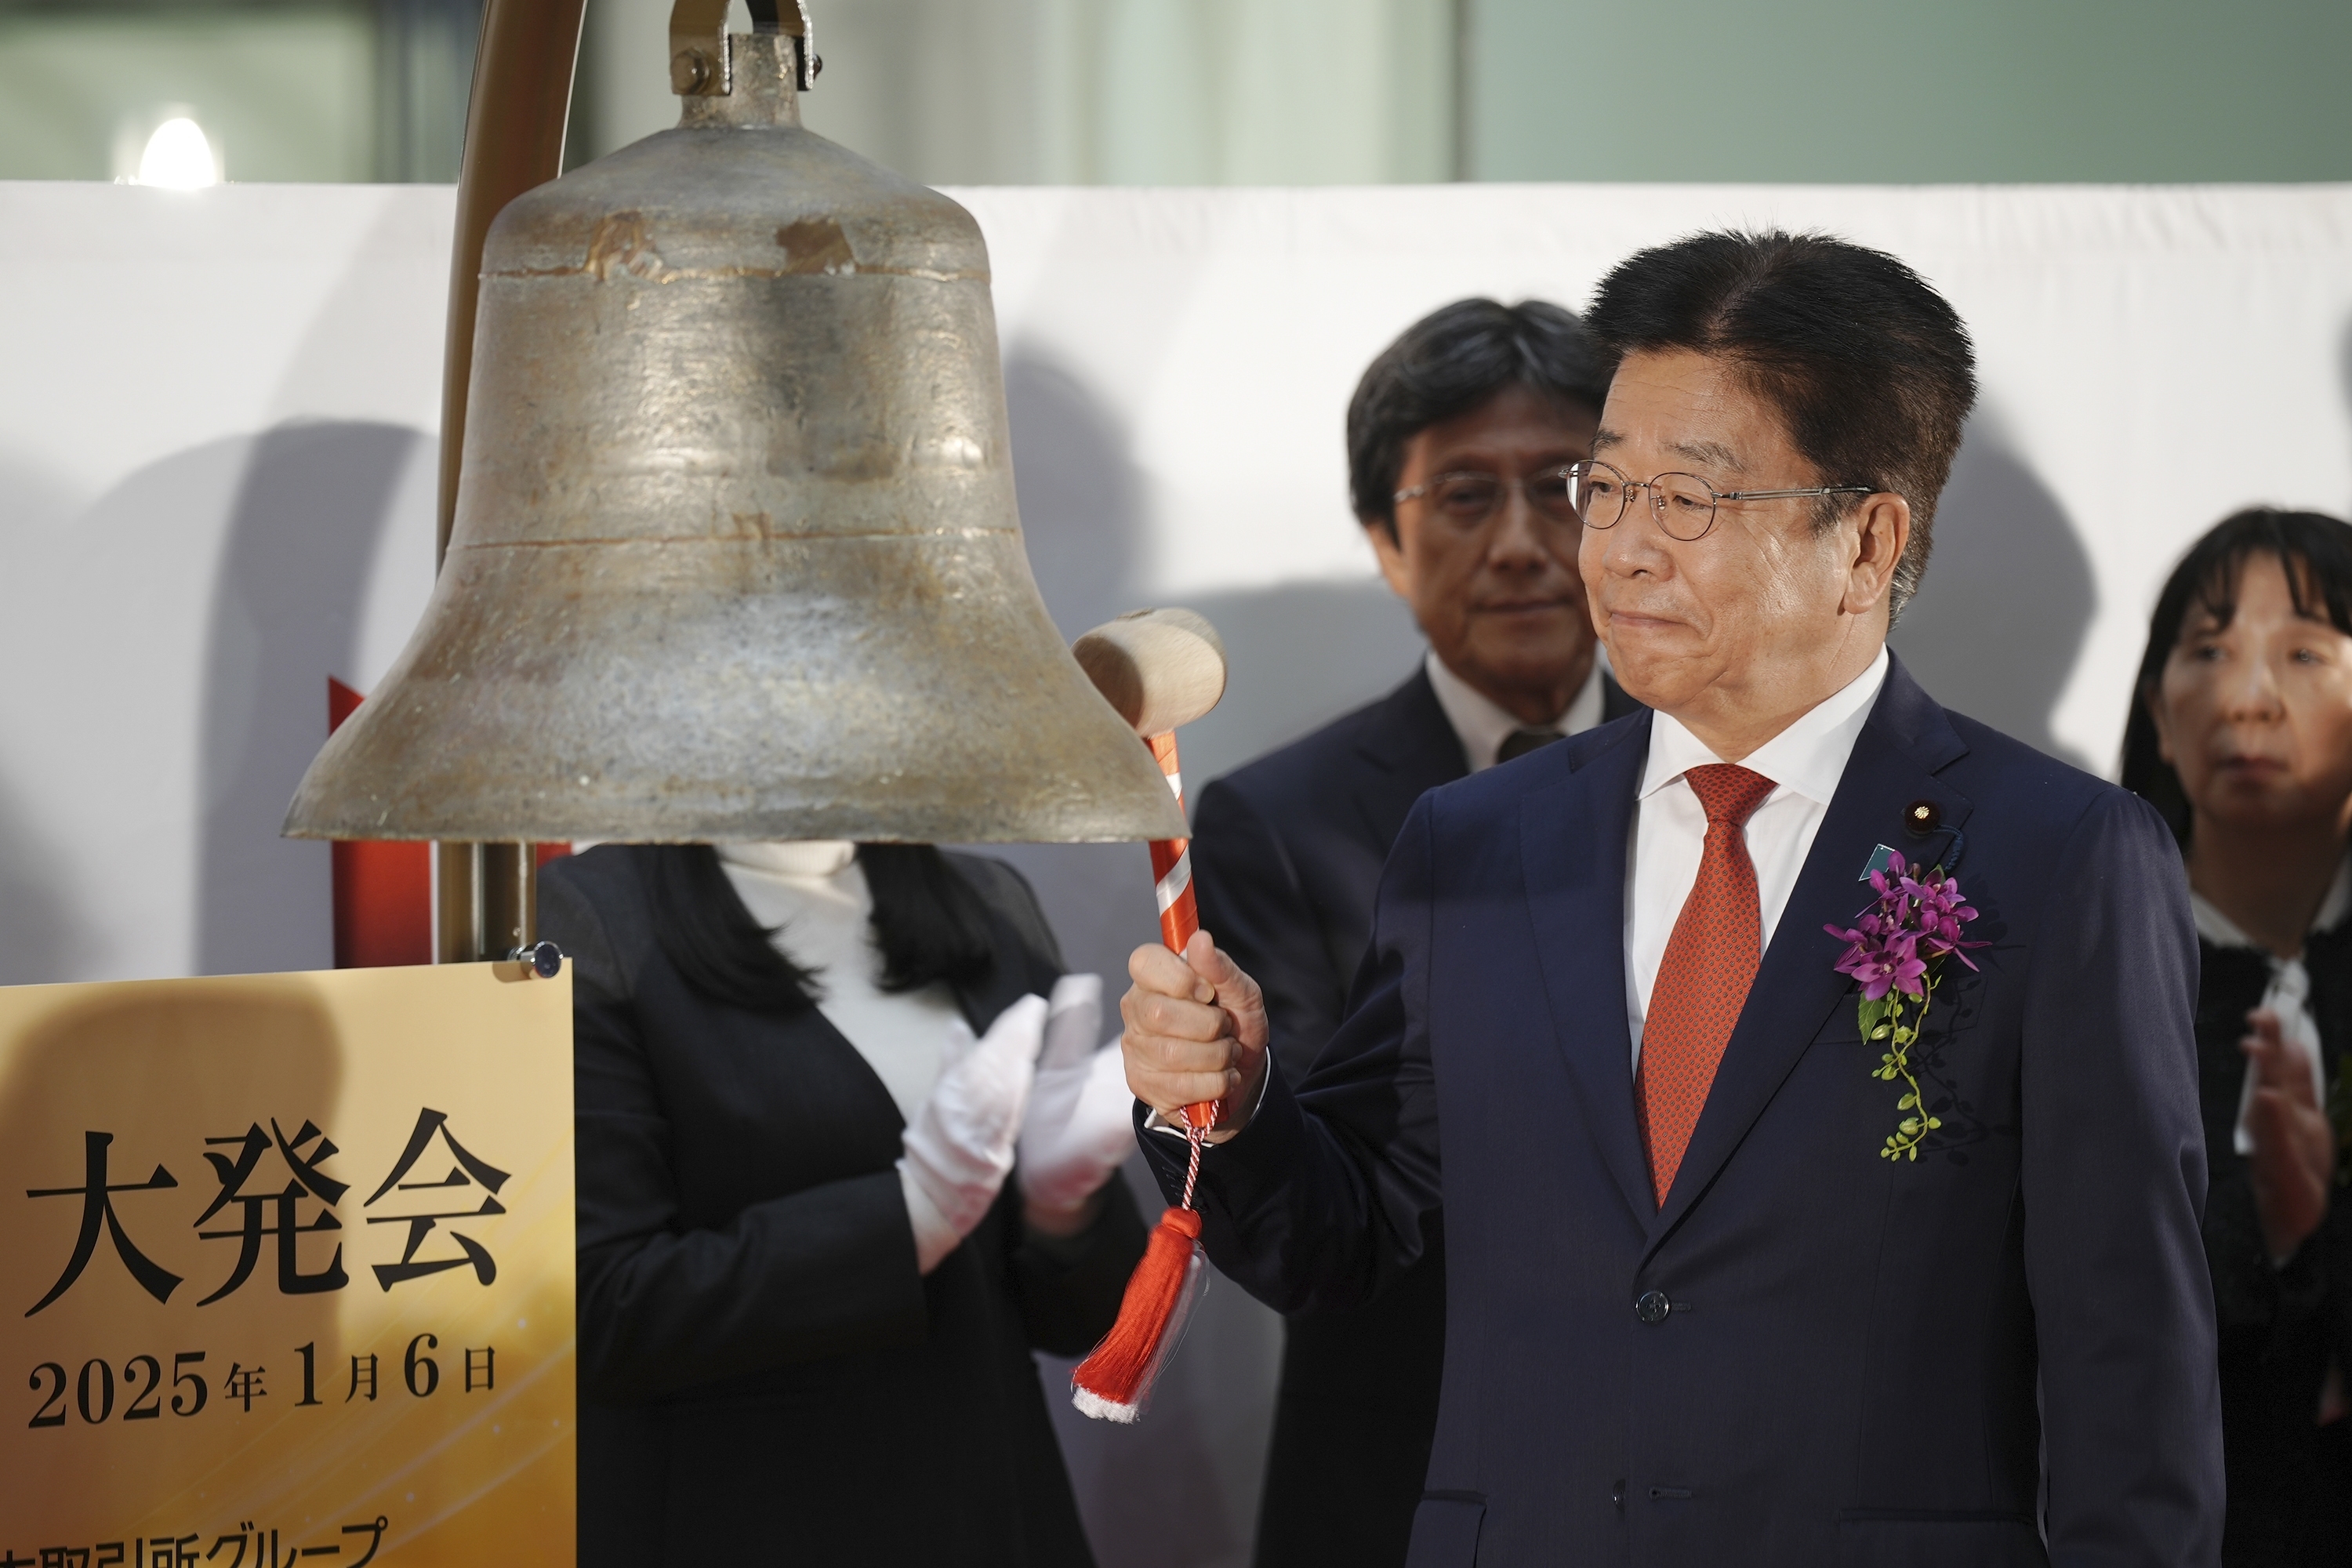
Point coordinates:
[[485, 901]]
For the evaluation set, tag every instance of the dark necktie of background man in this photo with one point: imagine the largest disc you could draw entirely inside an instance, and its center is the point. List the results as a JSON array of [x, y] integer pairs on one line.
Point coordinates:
[[1519, 743]]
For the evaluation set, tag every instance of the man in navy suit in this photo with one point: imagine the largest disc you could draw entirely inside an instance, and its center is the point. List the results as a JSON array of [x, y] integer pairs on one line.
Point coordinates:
[[1459, 439], [1696, 1313]]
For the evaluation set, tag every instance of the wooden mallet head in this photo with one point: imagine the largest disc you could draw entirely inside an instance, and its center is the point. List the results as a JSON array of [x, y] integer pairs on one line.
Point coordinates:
[[1160, 669]]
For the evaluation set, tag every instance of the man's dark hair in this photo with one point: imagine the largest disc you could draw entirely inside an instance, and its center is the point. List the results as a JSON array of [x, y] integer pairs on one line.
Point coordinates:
[[2313, 549], [1450, 362], [1871, 370]]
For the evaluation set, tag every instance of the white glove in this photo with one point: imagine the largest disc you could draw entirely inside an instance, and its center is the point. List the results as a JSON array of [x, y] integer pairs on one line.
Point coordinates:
[[960, 1148], [1080, 1125]]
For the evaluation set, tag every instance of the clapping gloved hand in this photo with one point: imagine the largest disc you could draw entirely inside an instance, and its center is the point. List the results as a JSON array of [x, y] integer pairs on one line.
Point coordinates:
[[959, 1149], [1080, 1124]]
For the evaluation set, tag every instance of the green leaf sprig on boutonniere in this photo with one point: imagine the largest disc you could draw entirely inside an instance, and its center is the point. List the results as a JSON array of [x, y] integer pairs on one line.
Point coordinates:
[[1896, 950]]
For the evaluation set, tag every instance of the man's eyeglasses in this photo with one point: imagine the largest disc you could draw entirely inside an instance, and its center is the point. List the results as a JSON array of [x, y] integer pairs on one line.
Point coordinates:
[[1468, 499], [1683, 504]]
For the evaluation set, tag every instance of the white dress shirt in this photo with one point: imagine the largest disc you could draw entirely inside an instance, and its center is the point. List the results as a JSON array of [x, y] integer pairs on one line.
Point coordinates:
[[813, 896], [1482, 724], [1804, 763]]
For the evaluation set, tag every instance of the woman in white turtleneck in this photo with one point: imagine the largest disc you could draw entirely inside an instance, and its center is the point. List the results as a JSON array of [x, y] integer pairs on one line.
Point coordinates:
[[846, 1156]]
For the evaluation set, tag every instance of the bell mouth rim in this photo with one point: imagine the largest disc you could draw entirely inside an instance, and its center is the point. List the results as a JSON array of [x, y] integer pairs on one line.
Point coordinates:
[[400, 787]]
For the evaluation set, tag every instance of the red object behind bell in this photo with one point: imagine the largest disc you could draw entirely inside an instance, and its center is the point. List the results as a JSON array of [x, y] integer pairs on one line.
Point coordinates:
[[383, 891]]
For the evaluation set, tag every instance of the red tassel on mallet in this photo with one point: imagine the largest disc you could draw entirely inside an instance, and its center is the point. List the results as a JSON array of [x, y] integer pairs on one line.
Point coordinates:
[[1115, 1382], [1156, 668]]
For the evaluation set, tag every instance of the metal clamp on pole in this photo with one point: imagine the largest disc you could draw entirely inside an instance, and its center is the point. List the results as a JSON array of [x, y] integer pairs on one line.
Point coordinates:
[[545, 958], [702, 62]]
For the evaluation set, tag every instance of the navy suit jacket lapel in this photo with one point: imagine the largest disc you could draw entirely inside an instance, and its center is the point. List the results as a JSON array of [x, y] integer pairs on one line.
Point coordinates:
[[1905, 742], [1409, 752], [1572, 838]]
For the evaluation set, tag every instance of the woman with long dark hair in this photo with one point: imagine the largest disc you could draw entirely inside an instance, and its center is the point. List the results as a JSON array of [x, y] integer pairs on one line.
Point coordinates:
[[2241, 734], [842, 1167]]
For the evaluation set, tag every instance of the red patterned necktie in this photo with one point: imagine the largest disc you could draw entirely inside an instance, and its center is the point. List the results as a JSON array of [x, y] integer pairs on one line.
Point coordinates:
[[1703, 981]]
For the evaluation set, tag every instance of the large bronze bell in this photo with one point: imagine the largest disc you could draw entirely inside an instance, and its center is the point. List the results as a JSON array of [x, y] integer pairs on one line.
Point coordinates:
[[735, 554]]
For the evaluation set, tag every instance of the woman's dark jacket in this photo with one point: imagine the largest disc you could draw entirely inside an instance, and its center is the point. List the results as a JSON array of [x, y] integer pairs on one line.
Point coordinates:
[[2290, 1481], [764, 1376]]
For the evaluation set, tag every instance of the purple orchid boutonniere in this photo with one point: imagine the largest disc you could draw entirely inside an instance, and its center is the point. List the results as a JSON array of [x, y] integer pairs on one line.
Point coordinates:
[[1896, 951]]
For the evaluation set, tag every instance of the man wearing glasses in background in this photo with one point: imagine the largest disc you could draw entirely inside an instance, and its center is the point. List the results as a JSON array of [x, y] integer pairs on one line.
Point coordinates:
[[1459, 440], [1734, 1272]]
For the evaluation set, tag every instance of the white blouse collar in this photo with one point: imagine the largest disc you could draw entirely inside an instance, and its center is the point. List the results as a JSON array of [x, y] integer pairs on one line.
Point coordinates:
[[807, 858]]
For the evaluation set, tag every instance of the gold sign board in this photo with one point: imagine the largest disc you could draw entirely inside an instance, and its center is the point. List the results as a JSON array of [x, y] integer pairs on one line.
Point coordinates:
[[285, 1271]]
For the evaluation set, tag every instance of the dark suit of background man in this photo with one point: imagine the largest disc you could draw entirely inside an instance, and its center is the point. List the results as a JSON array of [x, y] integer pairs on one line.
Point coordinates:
[[1694, 1316], [1458, 441]]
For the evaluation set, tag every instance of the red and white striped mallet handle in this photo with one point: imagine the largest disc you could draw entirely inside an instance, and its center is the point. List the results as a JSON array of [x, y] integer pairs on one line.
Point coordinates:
[[1171, 884], [1171, 859]]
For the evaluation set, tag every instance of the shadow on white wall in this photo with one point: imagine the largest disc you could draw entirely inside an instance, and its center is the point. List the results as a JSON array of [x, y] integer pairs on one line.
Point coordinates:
[[285, 613], [2008, 598], [41, 934]]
